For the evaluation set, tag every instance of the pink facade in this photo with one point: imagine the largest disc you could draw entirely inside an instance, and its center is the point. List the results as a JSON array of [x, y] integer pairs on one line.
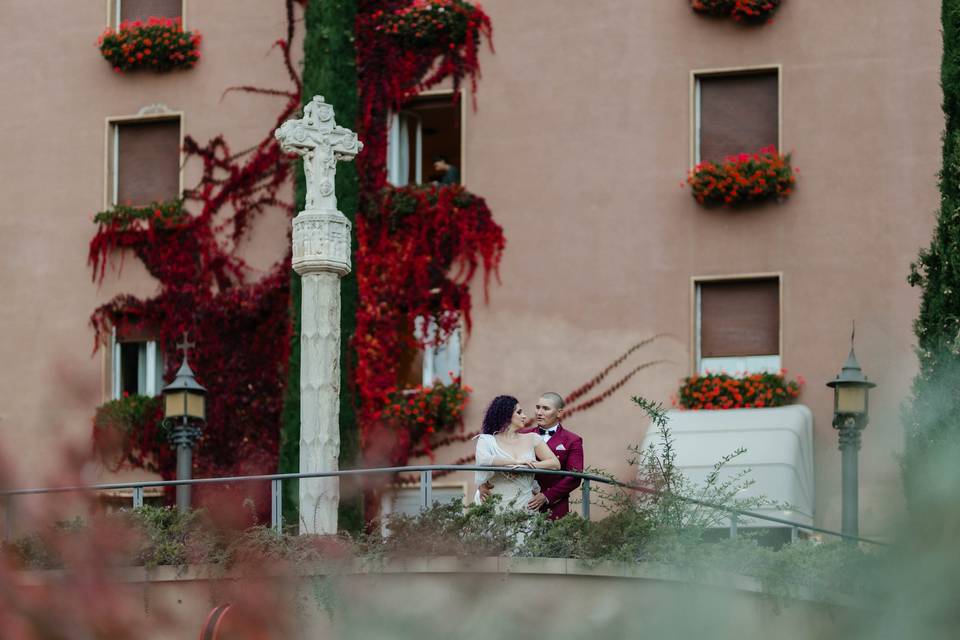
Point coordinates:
[[580, 142]]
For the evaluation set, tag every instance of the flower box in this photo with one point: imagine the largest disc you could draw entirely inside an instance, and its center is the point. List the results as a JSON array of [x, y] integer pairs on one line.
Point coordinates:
[[432, 22], [743, 179], [160, 44], [723, 391], [746, 11], [158, 214]]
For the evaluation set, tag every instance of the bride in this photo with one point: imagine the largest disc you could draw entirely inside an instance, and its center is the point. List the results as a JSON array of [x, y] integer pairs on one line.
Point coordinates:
[[501, 443]]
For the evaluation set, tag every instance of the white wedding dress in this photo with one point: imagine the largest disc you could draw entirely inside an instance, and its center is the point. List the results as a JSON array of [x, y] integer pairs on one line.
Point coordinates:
[[514, 489]]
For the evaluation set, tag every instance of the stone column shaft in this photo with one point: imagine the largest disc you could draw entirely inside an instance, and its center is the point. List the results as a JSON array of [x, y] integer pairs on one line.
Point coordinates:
[[320, 400]]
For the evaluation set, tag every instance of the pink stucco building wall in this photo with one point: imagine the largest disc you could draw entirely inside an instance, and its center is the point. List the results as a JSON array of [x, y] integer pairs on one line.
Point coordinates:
[[580, 143]]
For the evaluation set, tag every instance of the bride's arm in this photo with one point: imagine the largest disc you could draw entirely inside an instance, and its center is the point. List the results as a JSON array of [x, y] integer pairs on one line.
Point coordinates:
[[486, 456], [546, 459]]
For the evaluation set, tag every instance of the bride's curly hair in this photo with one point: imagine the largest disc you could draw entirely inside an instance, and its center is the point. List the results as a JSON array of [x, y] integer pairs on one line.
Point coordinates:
[[499, 414]]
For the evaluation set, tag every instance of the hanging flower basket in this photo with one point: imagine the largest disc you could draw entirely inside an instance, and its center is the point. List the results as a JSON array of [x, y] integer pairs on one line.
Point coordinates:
[[421, 412], [126, 431], [722, 391], [160, 44], [742, 179], [429, 23], [158, 214], [745, 11]]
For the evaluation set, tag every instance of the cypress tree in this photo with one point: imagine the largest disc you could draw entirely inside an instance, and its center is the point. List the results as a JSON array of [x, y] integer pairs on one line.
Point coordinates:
[[932, 419], [329, 69]]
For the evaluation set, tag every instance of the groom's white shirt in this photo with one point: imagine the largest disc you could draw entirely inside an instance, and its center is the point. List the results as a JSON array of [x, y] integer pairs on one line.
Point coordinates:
[[549, 432]]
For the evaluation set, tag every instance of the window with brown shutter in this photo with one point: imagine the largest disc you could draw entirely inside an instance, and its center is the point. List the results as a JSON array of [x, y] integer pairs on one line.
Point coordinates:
[[147, 162], [739, 318], [737, 114], [131, 10]]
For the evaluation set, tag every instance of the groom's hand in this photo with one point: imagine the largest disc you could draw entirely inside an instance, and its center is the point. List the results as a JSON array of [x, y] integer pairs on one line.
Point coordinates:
[[537, 502], [485, 490]]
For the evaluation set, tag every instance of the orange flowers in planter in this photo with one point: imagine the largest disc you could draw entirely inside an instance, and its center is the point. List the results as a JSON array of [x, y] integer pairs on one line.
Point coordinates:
[[423, 411], [722, 391], [766, 175], [161, 44], [747, 11]]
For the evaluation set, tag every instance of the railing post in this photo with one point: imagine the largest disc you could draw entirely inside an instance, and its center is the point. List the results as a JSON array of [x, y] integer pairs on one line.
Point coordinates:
[[733, 525], [585, 505], [426, 490], [276, 505], [8, 518], [137, 497]]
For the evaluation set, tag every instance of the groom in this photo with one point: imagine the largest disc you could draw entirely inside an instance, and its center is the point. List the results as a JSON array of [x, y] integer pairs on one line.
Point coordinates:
[[555, 490]]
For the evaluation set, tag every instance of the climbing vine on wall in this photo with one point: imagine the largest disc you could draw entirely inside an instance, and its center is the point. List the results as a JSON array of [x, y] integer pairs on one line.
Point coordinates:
[[419, 247], [241, 325]]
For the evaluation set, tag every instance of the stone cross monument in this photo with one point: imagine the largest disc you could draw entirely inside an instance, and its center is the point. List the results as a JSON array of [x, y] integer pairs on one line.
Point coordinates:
[[321, 255]]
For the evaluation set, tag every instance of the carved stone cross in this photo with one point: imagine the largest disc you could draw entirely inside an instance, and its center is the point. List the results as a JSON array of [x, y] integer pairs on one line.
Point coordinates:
[[185, 345], [322, 142]]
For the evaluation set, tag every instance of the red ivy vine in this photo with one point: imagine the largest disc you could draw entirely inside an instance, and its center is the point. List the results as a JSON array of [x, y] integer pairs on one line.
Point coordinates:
[[419, 247]]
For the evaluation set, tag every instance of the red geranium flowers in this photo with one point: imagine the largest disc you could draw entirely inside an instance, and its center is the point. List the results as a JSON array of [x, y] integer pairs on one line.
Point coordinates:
[[747, 11], [722, 391], [766, 175], [160, 44]]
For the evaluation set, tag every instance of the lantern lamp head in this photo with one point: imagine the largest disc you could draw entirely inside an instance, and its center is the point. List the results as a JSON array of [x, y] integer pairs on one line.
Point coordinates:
[[184, 398], [850, 389]]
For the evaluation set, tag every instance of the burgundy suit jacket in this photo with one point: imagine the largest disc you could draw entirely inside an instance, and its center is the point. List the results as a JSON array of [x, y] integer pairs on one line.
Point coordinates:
[[568, 447]]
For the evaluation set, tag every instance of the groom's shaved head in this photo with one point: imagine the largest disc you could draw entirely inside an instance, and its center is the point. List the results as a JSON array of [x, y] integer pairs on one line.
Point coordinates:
[[555, 398]]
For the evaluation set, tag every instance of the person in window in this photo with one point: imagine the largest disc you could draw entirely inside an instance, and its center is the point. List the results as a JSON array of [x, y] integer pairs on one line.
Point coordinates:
[[448, 173]]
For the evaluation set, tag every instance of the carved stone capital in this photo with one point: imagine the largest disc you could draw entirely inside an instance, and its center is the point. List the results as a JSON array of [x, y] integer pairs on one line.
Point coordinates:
[[321, 243]]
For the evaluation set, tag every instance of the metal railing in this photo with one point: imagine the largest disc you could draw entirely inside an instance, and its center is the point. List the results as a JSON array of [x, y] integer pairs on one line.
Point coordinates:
[[736, 516]]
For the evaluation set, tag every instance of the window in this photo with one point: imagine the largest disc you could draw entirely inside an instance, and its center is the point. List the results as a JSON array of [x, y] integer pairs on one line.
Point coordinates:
[[735, 113], [130, 10], [738, 325], [137, 362], [440, 363], [422, 131], [144, 161]]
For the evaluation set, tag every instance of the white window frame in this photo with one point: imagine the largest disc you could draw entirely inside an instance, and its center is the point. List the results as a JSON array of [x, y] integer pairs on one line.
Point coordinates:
[[150, 366], [113, 13], [735, 364], [697, 74], [393, 136], [111, 178], [442, 360], [398, 135]]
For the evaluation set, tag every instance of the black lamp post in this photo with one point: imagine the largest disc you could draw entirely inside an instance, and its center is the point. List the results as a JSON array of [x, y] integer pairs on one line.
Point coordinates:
[[184, 413], [850, 415]]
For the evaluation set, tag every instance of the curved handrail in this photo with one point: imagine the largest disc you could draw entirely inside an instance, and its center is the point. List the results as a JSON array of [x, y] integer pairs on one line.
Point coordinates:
[[426, 479]]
